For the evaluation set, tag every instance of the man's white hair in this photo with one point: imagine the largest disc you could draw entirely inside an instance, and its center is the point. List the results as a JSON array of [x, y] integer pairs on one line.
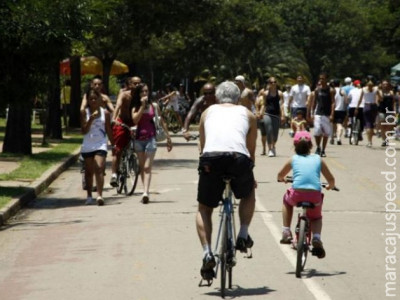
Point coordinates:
[[227, 92]]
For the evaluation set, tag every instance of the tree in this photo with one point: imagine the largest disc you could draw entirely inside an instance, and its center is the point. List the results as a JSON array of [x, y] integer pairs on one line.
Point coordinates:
[[34, 39]]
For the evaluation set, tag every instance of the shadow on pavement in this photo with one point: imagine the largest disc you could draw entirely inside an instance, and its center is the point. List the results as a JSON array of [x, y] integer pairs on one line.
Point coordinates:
[[30, 225], [238, 291], [175, 163]]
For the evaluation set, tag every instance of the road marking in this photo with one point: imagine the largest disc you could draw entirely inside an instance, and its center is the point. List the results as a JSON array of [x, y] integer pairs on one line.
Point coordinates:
[[276, 232]]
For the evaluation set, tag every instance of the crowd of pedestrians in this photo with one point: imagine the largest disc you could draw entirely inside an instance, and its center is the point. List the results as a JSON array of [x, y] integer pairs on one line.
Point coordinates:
[[230, 114]]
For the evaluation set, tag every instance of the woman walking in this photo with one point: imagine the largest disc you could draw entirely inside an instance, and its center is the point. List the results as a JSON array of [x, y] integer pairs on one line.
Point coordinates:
[[96, 127], [143, 112], [271, 110]]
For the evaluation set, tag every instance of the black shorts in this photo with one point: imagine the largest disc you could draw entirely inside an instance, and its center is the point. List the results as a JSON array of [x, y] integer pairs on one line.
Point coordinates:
[[339, 116], [212, 168], [94, 153]]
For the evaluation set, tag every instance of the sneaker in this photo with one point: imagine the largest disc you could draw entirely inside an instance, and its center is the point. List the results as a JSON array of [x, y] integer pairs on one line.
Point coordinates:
[[263, 153], [145, 198], [286, 237], [207, 269], [332, 141], [339, 142], [323, 153], [291, 133], [89, 201], [271, 153], [113, 181], [318, 151], [274, 151], [369, 145], [242, 244], [100, 201], [318, 249], [383, 144]]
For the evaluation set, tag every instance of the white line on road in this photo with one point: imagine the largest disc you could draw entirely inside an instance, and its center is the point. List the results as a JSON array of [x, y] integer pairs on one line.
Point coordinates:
[[276, 232]]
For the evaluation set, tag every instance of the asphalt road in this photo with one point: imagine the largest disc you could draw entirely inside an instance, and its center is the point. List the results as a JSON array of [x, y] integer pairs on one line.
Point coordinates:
[[58, 248]]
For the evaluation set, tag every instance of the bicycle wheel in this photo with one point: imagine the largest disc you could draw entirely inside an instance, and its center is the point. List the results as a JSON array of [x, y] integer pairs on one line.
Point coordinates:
[[173, 122], [355, 133], [302, 248], [223, 255], [132, 174]]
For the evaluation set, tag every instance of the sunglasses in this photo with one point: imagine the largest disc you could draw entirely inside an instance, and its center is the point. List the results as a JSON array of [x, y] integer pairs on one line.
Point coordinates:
[[208, 93], [272, 82]]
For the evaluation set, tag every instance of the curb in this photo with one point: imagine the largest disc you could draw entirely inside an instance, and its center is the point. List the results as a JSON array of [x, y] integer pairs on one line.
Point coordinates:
[[37, 187]]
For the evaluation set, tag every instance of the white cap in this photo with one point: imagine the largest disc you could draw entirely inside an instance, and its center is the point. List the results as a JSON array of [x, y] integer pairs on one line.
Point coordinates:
[[347, 80], [240, 78]]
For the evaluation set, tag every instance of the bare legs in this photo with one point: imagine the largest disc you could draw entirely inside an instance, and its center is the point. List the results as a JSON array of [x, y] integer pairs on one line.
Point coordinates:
[[94, 166], [146, 163]]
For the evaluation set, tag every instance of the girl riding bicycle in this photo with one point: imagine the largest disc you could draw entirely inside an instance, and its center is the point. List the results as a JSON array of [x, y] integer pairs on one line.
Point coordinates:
[[306, 187]]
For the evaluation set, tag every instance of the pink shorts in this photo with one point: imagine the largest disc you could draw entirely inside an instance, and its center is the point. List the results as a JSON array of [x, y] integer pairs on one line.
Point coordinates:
[[292, 197]]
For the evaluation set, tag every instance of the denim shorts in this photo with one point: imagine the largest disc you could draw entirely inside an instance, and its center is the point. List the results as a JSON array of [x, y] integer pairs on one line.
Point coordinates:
[[149, 145]]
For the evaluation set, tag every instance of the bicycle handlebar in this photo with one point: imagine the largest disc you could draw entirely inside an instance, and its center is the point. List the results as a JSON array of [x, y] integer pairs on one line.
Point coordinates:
[[133, 128], [323, 184]]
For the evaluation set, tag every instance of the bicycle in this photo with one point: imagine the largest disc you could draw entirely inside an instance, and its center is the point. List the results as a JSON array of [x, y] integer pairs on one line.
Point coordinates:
[[225, 247], [302, 243], [169, 116], [355, 131], [128, 169]]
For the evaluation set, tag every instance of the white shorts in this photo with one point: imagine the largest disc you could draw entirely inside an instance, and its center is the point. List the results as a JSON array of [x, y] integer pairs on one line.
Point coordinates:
[[322, 126]]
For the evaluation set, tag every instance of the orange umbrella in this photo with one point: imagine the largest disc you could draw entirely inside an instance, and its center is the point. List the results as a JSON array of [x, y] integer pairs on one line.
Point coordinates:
[[93, 65]]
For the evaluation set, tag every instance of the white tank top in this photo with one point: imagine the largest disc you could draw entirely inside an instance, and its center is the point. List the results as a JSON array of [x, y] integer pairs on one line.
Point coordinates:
[[226, 129], [96, 138], [369, 97], [339, 100]]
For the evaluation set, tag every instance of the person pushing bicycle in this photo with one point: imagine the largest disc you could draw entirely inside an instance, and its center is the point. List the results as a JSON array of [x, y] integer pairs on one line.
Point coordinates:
[[306, 187], [228, 135]]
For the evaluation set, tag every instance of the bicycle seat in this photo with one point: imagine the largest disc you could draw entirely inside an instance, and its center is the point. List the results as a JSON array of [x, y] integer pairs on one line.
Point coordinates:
[[305, 204]]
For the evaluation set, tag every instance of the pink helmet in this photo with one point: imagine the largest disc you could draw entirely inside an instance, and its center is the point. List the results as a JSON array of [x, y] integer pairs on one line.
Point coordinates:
[[302, 136]]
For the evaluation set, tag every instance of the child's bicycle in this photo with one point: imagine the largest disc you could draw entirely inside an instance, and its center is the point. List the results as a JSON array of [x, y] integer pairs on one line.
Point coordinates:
[[225, 250], [302, 242], [128, 169]]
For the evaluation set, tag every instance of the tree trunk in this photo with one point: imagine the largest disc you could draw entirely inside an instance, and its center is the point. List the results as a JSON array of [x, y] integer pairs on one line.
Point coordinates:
[[76, 97], [54, 127], [107, 64], [18, 139]]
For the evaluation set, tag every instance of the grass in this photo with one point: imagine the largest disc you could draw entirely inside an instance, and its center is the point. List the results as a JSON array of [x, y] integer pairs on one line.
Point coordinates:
[[33, 166]]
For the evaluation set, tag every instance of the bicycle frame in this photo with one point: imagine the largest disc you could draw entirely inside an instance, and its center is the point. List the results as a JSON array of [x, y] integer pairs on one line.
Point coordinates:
[[225, 243], [303, 237], [125, 163]]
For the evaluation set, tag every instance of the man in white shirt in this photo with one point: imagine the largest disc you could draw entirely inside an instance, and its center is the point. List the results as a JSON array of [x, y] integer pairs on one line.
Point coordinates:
[[299, 96], [228, 135]]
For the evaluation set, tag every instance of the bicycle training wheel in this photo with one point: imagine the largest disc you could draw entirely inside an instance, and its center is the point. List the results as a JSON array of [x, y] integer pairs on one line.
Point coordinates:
[[302, 248], [223, 255], [132, 174]]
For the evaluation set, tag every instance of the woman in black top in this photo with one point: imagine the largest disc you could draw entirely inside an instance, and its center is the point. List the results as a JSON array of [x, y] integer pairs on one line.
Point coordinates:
[[387, 111], [271, 110]]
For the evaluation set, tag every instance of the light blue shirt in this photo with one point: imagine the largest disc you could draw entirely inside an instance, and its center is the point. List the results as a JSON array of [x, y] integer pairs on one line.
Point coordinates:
[[306, 172]]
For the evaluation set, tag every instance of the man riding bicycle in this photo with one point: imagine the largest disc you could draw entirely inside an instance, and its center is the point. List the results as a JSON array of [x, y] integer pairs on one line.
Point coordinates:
[[228, 135], [122, 115]]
